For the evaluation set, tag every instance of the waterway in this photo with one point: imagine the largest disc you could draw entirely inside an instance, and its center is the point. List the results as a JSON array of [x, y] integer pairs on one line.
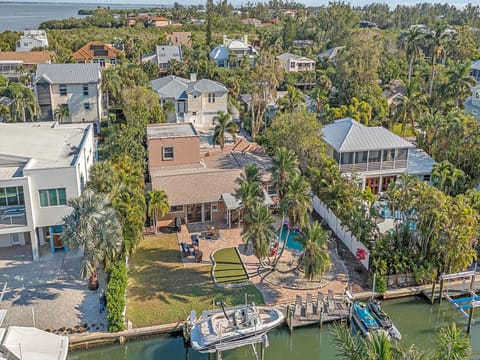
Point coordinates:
[[417, 320]]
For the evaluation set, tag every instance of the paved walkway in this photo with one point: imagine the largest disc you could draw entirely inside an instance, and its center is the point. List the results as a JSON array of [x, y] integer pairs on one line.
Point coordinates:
[[48, 293]]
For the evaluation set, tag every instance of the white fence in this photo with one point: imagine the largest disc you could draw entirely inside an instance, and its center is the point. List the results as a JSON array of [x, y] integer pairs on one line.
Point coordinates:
[[341, 231]]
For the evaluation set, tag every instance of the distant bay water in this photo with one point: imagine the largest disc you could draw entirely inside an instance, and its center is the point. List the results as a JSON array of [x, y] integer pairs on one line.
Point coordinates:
[[18, 16]]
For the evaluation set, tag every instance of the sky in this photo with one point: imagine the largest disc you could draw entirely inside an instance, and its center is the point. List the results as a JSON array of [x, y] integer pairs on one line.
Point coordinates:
[[392, 3]]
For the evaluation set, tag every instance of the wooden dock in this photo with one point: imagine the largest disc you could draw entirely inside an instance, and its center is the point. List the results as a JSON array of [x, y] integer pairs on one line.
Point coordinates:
[[317, 311]]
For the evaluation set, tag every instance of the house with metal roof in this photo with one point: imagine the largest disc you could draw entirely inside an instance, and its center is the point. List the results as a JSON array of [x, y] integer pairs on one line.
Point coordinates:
[[163, 55], [97, 52], [229, 54], [296, 63], [472, 104], [32, 39], [475, 70], [76, 87], [330, 55], [199, 184], [374, 155], [42, 165], [196, 101]]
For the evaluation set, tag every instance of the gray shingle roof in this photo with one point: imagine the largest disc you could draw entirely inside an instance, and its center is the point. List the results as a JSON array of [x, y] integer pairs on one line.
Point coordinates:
[[206, 85], [349, 135], [69, 73], [170, 86]]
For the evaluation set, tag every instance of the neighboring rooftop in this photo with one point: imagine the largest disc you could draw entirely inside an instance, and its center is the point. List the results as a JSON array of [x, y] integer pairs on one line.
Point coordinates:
[[287, 56], [419, 162], [206, 85], [68, 73], [96, 49], [28, 57], [475, 65], [349, 135], [42, 144], [170, 86], [158, 131]]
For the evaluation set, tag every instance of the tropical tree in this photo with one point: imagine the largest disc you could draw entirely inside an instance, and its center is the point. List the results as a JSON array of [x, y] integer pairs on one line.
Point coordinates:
[[251, 174], [435, 41], [315, 259], [292, 100], [223, 125], [447, 178], [25, 104], [249, 194], [157, 202], [409, 107], [61, 113], [285, 166], [452, 344], [458, 82], [412, 41], [93, 227], [260, 232]]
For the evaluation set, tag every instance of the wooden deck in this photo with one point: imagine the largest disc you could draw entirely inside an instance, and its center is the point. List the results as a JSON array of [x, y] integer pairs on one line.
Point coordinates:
[[316, 310]]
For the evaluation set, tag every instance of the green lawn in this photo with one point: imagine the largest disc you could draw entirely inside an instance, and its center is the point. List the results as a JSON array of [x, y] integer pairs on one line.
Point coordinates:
[[229, 268], [397, 129], [161, 291]]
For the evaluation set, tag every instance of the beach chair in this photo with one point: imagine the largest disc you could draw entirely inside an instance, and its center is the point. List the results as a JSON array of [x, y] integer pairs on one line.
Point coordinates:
[[298, 306], [309, 311]]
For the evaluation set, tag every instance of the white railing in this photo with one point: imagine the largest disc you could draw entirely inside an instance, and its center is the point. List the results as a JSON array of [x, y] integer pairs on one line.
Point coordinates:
[[343, 233]]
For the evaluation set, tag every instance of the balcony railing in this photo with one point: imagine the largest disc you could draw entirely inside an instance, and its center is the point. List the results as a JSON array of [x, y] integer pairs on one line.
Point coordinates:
[[373, 166], [12, 217]]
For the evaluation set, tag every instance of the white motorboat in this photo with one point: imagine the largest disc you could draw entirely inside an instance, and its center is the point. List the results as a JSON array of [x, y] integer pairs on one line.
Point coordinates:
[[232, 325]]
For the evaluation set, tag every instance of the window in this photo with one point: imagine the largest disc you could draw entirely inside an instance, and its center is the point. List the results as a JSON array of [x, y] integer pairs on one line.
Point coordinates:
[[113, 61], [168, 153], [477, 95], [176, 209], [361, 157], [63, 90], [374, 156], [12, 195], [86, 106], [211, 97], [52, 197], [402, 154], [102, 62], [336, 156], [272, 190], [389, 155], [85, 89], [426, 178], [347, 158], [214, 207], [81, 62]]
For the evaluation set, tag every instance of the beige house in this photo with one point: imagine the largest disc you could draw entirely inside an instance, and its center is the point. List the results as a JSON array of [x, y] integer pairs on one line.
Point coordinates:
[[74, 86], [296, 63], [196, 101], [199, 185]]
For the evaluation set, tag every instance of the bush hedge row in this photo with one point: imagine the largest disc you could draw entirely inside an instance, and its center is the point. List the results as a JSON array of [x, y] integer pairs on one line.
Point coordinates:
[[117, 285]]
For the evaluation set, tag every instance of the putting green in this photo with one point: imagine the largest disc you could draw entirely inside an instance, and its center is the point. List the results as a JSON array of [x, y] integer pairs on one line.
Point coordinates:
[[228, 267]]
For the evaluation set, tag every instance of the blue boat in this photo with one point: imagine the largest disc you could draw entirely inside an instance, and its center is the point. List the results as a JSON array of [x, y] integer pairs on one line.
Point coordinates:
[[363, 318]]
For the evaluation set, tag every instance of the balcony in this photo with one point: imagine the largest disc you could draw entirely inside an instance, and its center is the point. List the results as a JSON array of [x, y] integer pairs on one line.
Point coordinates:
[[12, 216], [373, 166]]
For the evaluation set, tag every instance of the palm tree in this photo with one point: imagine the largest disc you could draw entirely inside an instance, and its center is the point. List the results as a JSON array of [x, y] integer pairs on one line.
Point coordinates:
[[93, 227], [285, 166], [435, 41], [459, 81], [320, 96], [104, 179], [447, 178], [292, 100], [260, 232], [251, 174], [61, 113], [412, 41], [315, 259], [409, 107], [157, 201], [223, 124], [249, 194], [452, 344]]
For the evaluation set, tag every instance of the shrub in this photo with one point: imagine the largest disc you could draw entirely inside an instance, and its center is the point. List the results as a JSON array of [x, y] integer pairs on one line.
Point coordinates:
[[117, 285], [381, 284]]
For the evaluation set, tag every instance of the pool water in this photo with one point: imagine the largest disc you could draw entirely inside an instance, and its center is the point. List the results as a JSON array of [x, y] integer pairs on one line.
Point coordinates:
[[292, 244]]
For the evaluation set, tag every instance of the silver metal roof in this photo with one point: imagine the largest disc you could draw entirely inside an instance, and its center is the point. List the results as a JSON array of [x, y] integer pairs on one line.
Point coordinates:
[[170, 87], [349, 135], [170, 130], [165, 53], [232, 203], [419, 162], [206, 85], [68, 73]]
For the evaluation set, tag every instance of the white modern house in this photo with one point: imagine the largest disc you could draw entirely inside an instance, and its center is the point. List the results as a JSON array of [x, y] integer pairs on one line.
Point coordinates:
[[42, 165], [74, 86], [232, 52], [375, 155], [296, 63], [32, 39], [195, 101]]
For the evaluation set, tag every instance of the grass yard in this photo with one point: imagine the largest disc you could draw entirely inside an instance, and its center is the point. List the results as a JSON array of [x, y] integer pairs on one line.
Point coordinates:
[[229, 268], [397, 129], [160, 290]]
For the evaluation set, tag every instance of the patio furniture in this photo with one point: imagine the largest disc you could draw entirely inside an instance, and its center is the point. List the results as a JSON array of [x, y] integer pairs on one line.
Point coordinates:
[[198, 256], [186, 251], [195, 241]]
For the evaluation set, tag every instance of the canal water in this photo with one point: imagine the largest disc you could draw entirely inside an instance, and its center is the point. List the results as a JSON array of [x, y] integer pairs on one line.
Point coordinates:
[[417, 321]]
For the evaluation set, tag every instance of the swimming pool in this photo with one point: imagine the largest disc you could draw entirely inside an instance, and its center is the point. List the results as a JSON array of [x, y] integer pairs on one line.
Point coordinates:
[[292, 244]]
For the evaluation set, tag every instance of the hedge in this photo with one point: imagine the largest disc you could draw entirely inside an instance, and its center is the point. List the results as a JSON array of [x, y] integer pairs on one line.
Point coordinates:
[[117, 285]]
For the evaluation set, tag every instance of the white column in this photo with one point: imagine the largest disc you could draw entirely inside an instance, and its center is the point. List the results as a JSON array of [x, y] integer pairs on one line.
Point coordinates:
[[41, 235], [34, 242]]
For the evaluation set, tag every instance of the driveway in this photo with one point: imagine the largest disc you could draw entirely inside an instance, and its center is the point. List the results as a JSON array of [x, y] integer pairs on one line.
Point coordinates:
[[48, 294]]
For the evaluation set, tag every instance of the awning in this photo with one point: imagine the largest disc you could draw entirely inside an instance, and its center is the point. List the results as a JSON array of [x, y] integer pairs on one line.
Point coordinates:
[[29, 343], [233, 204]]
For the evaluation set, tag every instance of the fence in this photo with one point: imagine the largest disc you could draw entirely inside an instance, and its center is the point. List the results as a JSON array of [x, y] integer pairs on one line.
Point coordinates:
[[342, 232]]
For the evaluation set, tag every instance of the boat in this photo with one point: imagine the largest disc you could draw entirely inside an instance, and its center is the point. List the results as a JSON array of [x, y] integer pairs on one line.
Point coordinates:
[[363, 319], [383, 319], [234, 326]]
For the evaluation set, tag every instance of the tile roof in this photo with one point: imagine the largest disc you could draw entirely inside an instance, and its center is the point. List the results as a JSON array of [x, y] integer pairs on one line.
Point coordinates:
[[95, 49], [68, 73], [349, 135], [28, 57]]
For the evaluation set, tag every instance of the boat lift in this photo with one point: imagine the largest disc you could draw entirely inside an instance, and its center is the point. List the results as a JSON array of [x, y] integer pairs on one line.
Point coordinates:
[[464, 303]]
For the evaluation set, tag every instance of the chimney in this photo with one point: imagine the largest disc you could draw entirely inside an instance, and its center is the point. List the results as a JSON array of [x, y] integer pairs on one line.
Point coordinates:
[[245, 39], [225, 40], [193, 77]]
